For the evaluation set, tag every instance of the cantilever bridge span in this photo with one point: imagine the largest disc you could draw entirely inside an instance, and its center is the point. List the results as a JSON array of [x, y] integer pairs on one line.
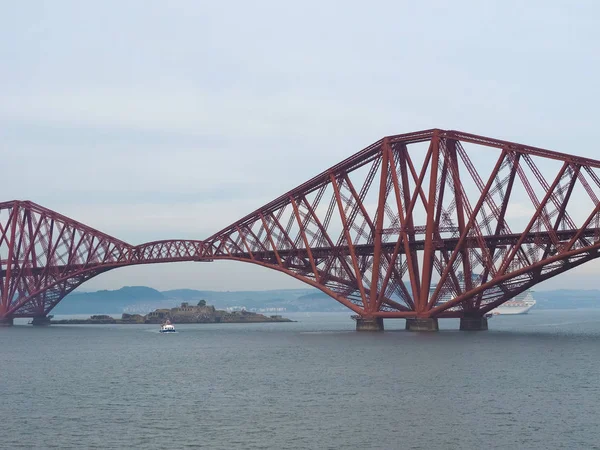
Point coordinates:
[[419, 226]]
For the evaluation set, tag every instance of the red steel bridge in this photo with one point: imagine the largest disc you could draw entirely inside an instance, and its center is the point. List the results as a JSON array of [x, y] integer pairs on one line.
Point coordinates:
[[420, 226]]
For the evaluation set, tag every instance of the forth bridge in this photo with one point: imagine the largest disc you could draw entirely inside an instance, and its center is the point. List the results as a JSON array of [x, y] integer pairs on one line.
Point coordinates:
[[418, 226]]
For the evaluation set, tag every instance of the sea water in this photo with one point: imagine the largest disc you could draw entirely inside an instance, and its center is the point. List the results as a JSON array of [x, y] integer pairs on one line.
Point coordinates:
[[530, 382]]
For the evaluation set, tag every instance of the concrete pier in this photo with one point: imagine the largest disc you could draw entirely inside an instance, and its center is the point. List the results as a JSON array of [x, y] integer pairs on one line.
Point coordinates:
[[6, 321], [40, 321], [473, 323], [369, 324], [422, 324]]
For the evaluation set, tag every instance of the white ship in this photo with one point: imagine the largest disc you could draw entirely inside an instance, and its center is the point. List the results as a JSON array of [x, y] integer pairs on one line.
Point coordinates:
[[167, 327], [521, 304]]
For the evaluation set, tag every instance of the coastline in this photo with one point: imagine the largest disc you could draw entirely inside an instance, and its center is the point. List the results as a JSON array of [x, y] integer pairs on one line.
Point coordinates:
[[108, 320], [186, 313]]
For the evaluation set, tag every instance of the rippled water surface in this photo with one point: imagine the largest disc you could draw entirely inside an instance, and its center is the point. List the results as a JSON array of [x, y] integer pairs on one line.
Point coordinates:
[[531, 382]]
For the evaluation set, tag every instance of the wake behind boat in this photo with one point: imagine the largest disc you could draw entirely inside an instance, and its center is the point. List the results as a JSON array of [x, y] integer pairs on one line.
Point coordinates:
[[167, 327]]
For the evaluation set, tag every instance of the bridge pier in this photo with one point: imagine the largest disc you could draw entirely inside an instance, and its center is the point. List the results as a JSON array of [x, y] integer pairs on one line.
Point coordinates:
[[369, 324], [470, 323], [41, 321], [422, 324], [6, 321]]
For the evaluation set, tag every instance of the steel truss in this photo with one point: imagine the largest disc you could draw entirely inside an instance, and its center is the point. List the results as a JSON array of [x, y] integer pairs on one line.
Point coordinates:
[[407, 227]]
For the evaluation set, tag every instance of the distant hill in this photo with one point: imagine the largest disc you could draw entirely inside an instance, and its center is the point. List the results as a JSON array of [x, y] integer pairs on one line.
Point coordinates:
[[291, 299], [142, 299], [567, 299], [109, 302]]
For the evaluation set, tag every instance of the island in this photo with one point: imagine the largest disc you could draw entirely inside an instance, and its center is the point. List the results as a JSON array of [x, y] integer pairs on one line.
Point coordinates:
[[186, 313]]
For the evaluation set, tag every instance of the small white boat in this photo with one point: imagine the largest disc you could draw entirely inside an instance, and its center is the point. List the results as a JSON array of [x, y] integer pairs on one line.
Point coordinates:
[[167, 327]]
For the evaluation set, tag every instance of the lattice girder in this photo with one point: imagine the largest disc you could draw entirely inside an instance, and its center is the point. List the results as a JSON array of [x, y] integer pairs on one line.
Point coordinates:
[[427, 224]]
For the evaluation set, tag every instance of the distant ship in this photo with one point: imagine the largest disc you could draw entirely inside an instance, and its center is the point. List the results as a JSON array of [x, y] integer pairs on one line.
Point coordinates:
[[167, 327], [521, 304]]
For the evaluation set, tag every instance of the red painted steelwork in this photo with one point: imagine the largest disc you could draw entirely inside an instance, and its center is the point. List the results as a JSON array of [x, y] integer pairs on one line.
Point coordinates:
[[428, 224]]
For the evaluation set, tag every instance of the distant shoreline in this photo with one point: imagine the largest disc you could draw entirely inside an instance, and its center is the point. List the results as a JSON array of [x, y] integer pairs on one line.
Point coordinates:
[[141, 299], [185, 313], [113, 321]]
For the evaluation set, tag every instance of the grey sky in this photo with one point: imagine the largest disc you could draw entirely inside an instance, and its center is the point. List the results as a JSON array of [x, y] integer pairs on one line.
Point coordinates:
[[153, 119]]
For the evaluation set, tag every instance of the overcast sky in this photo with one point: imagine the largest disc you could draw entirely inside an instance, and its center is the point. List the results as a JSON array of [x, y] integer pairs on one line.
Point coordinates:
[[154, 119]]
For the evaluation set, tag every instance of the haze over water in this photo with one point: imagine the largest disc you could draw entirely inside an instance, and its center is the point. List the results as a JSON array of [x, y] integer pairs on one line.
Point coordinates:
[[531, 382]]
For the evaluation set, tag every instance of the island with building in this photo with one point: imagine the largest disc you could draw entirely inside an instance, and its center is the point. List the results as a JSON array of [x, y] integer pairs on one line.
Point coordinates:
[[185, 313]]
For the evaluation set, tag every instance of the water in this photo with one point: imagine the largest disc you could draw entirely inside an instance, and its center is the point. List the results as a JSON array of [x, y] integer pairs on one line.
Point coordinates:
[[531, 382]]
